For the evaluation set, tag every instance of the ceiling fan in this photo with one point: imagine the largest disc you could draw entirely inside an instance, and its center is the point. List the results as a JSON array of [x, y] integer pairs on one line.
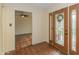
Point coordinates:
[[22, 15]]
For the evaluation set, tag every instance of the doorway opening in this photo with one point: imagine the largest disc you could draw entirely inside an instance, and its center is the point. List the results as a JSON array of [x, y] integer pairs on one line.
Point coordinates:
[[23, 29]]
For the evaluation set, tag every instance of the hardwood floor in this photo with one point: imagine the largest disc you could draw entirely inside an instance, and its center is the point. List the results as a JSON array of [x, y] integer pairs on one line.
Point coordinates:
[[38, 49], [23, 40]]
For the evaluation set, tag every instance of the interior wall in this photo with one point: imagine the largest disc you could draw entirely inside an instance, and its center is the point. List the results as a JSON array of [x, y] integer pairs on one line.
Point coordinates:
[[1, 42], [40, 25], [23, 25]]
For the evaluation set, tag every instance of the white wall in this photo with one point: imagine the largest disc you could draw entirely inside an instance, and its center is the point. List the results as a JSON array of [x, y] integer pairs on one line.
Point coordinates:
[[23, 25], [39, 25], [1, 44]]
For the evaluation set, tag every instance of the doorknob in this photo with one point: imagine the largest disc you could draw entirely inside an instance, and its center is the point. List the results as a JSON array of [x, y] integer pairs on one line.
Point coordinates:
[[66, 33]]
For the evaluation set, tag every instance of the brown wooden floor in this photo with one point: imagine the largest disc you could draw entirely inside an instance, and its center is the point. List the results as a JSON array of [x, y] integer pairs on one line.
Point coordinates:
[[23, 40], [38, 49]]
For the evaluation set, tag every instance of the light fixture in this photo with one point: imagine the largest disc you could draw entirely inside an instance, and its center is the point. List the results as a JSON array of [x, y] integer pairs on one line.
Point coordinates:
[[22, 15]]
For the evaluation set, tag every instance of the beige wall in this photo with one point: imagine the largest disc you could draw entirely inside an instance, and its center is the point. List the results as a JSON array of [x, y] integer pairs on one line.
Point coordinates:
[[23, 25], [1, 42], [39, 25]]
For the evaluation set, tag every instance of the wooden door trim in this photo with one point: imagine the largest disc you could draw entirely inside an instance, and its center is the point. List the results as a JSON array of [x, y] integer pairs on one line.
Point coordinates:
[[49, 25], [50, 14]]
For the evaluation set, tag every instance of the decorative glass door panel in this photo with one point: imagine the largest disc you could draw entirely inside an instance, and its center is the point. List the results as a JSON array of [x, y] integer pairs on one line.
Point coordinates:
[[74, 29], [60, 18], [73, 20], [59, 26]]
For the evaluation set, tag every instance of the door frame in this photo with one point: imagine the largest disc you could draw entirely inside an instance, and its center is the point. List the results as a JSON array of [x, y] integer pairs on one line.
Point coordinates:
[[64, 48], [50, 29]]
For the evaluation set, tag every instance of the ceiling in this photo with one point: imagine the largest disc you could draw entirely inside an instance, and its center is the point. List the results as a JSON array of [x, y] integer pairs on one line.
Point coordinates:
[[42, 5]]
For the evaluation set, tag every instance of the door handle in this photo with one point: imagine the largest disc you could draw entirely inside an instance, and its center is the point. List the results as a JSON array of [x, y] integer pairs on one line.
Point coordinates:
[[66, 33]]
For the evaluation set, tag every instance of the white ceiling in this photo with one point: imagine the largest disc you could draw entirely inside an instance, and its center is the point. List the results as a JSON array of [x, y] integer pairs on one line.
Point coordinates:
[[42, 5]]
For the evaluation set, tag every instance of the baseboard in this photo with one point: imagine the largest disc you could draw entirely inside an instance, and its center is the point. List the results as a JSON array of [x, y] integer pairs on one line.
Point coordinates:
[[22, 34], [2, 53], [39, 42]]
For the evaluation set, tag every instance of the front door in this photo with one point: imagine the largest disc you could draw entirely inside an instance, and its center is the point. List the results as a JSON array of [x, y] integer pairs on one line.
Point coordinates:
[[61, 29]]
